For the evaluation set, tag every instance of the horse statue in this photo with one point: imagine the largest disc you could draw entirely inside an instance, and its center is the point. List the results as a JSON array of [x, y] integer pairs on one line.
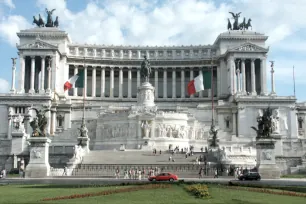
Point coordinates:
[[229, 25], [39, 23], [56, 22], [248, 24], [242, 25], [145, 70], [236, 17], [49, 18]]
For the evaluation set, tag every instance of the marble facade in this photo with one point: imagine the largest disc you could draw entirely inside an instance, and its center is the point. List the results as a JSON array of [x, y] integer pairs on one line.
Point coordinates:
[[114, 117]]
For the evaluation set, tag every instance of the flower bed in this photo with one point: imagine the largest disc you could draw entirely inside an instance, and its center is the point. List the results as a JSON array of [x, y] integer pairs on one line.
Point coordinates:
[[198, 190], [109, 192], [269, 191]]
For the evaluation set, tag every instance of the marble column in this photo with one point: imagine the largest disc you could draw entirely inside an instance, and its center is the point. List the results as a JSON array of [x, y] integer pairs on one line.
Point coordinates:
[[75, 90], [238, 80], [85, 82], [233, 67], [102, 82], [243, 81], [156, 81], [53, 121], [263, 76], [129, 82], [165, 83], [183, 82], [191, 78], [10, 118], [93, 81], [120, 81], [138, 77], [13, 90], [48, 91], [253, 77], [22, 72], [173, 82], [32, 91], [42, 79], [273, 93], [111, 85]]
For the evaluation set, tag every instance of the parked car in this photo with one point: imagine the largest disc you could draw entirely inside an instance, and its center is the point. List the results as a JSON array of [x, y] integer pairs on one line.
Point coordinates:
[[250, 176], [164, 177]]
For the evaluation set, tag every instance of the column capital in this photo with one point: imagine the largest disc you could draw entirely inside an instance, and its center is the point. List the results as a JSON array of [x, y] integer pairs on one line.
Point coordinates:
[[111, 68], [103, 67], [32, 57], [253, 59], [120, 68], [263, 58], [174, 68], [129, 68], [165, 68], [242, 59], [94, 66], [43, 56]]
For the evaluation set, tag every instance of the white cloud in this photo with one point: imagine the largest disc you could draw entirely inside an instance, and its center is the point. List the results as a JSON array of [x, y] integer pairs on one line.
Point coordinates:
[[9, 26], [5, 86], [8, 3]]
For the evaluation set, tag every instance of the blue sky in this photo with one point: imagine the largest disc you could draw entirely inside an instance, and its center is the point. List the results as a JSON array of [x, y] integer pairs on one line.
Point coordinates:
[[166, 22]]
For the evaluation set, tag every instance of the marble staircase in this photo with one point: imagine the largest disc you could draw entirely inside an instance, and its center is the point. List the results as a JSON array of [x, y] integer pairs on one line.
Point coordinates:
[[104, 163], [136, 157]]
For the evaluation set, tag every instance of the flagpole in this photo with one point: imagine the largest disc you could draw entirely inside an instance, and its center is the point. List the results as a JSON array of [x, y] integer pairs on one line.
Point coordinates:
[[293, 82], [212, 93]]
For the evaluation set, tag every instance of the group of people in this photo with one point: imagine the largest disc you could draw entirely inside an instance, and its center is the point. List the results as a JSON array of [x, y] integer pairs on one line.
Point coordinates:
[[134, 173]]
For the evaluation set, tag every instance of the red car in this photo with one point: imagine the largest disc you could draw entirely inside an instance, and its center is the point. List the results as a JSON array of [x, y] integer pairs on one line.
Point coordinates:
[[164, 177]]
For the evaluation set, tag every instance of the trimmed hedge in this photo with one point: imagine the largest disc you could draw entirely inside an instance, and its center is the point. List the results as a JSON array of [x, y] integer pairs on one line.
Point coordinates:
[[198, 190]]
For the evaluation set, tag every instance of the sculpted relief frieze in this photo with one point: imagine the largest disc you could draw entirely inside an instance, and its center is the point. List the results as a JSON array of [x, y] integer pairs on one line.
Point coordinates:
[[111, 131], [180, 131]]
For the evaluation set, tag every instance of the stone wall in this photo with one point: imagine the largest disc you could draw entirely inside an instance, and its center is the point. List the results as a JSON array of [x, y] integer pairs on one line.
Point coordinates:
[[284, 163]]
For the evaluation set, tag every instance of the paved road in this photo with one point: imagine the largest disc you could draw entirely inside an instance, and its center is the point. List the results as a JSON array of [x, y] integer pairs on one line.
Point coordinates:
[[101, 181]]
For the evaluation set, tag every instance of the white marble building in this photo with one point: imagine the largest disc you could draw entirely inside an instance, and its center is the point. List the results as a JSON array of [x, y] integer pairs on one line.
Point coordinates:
[[112, 75]]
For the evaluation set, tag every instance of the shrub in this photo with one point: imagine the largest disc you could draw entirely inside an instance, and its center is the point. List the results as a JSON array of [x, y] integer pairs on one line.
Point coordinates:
[[198, 190], [109, 192]]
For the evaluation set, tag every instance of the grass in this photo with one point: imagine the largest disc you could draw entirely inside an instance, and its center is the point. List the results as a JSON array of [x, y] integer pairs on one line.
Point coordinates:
[[294, 176], [176, 194]]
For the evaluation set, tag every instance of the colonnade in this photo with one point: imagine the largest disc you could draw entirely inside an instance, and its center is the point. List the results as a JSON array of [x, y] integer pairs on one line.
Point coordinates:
[[41, 88], [239, 78], [178, 76]]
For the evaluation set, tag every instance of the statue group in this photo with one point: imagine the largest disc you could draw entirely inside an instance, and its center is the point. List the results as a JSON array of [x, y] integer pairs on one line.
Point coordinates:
[[39, 123], [265, 124], [236, 25], [50, 23]]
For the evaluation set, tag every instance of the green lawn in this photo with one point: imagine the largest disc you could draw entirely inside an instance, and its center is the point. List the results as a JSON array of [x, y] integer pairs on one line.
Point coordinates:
[[294, 176], [175, 194]]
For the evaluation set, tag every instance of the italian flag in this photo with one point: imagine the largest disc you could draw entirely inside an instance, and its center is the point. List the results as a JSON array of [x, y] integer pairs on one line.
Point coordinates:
[[77, 81], [201, 82]]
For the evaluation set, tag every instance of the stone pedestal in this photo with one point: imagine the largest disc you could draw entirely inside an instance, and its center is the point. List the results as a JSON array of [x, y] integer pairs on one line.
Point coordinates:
[[38, 166], [146, 95], [19, 142], [84, 142], [266, 165]]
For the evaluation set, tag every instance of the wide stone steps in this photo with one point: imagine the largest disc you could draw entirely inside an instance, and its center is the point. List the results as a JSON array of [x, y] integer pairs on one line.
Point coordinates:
[[108, 170], [136, 157]]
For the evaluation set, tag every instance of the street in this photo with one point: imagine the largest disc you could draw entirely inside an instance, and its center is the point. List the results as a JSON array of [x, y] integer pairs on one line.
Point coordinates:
[[103, 181]]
